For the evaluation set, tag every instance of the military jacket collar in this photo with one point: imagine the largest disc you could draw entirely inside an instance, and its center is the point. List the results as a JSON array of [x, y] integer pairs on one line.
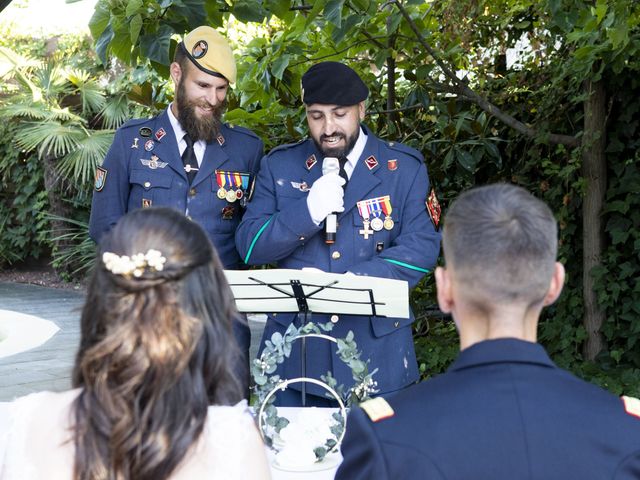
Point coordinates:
[[167, 149], [502, 350]]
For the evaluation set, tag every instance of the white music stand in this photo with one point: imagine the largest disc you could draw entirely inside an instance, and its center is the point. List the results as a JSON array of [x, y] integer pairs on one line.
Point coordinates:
[[309, 291]]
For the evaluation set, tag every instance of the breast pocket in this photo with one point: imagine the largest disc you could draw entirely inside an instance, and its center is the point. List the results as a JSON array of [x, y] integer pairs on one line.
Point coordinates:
[[149, 188]]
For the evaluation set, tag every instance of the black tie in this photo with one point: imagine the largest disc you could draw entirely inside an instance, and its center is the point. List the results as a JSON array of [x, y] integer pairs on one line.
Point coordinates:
[[343, 160], [189, 159]]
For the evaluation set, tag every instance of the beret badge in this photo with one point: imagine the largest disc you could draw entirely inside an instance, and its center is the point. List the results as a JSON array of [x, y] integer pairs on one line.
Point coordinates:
[[199, 50]]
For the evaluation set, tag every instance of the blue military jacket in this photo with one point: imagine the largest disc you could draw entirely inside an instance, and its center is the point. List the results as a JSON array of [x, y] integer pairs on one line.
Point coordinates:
[[277, 227], [143, 168], [503, 411]]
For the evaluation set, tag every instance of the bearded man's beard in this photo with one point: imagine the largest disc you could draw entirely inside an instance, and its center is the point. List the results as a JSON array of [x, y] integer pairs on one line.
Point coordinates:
[[199, 128], [350, 142]]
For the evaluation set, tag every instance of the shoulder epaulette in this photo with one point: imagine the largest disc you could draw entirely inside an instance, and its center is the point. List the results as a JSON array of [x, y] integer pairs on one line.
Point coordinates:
[[377, 409], [405, 149], [244, 130], [631, 405], [286, 146]]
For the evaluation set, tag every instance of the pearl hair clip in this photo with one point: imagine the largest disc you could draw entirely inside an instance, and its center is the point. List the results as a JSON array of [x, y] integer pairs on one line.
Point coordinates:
[[134, 265]]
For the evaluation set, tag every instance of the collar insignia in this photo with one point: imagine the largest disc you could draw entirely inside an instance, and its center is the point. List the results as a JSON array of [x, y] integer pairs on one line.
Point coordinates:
[[392, 164], [371, 162], [160, 134], [311, 161], [220, 139]]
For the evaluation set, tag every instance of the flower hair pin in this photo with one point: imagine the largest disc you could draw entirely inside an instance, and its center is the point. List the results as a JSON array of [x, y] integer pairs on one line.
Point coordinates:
[[134, 265]]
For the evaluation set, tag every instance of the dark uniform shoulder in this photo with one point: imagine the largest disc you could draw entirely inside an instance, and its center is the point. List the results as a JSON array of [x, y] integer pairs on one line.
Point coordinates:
[[400, 147], [286, 146]]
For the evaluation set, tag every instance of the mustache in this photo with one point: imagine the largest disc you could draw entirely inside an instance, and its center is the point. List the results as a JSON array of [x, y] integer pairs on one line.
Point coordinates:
[[335, 134]]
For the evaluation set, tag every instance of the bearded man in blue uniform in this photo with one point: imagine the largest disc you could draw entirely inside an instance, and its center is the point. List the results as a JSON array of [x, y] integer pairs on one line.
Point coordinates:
[[503, 410], [384, 230], [186, 158]]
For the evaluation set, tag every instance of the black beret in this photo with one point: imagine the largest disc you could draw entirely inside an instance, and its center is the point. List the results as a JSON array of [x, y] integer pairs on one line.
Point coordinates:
[[333, 83]]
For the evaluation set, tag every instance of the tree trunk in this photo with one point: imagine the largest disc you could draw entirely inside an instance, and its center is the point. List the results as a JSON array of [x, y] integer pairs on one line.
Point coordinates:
[[594, 171]]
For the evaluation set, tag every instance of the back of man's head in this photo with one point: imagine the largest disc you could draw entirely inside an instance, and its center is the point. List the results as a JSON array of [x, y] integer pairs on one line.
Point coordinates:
[[501, 244]]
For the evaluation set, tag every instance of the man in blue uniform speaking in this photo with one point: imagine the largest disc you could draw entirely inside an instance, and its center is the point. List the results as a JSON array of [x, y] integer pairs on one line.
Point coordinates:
[[185, 158], [503, 411], [377, 191]]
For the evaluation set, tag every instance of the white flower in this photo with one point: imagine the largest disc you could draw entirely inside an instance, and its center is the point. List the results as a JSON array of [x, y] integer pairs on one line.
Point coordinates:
[[136, 265]]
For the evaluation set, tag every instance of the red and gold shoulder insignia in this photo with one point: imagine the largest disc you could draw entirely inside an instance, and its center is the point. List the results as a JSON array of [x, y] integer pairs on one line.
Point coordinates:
[[631, 405], [377, 409], [311, 161], [434, 209]]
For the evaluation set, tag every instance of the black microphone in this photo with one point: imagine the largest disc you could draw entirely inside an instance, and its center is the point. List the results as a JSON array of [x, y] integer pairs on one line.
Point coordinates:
[[330, 164]]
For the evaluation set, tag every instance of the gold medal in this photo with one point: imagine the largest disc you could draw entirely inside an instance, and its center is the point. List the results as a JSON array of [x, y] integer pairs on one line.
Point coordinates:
[[231, 196], [222, 193], [377, 224], [388, 223]]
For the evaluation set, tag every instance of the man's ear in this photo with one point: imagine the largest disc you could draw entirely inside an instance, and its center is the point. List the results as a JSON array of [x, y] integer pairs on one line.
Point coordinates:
[[176, 72], [555, 285], [361, 110], [443, 287]]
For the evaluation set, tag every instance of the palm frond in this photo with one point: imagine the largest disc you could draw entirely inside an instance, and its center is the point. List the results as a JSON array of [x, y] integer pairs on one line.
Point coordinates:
[[50, 138], [82, 254], [20, 109], [115, 111], [89, 89], [81, 163]]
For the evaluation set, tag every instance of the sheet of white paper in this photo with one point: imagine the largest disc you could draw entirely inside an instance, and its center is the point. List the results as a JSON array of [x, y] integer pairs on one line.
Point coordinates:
[[271, 291]]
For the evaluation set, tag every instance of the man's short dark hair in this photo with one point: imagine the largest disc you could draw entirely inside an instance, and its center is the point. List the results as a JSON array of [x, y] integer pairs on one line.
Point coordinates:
[[501, 242]]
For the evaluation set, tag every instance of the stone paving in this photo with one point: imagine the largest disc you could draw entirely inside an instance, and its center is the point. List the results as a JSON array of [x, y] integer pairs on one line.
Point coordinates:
[[48, 367]]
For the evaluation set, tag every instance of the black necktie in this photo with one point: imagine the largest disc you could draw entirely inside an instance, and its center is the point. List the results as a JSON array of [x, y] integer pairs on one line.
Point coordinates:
[[189, 159], [343, 160]]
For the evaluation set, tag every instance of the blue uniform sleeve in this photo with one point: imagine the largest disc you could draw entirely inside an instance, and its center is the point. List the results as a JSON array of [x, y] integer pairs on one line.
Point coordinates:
[[268, 231], [110, 202], [361, 450], [629, 468], [414, 252]]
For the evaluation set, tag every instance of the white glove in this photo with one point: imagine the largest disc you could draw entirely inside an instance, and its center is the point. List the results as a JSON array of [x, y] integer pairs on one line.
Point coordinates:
[[326, 196]]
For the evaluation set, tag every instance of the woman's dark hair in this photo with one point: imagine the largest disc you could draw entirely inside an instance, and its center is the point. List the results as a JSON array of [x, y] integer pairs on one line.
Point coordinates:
[[156, 350]]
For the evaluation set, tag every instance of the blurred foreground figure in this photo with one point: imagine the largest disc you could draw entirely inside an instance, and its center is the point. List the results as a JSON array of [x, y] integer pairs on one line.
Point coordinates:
[[156, 396], [503, 410]]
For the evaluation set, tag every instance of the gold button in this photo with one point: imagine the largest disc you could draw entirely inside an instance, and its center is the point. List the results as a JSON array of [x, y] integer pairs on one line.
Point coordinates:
[[192, 192], [335, 255], [334, 318], [147, 184], [397, 324]]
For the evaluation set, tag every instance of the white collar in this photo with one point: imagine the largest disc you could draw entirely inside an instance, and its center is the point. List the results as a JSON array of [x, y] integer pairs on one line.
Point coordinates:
[[175, 124], [357, 149]]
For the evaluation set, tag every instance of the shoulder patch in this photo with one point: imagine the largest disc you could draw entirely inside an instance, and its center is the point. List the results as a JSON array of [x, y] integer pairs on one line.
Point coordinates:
[[631, 405], [377, 409], [412, 152]]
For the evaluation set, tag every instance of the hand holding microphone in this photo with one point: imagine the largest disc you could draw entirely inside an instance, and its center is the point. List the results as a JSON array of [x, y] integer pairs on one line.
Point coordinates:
[[326, 197]]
